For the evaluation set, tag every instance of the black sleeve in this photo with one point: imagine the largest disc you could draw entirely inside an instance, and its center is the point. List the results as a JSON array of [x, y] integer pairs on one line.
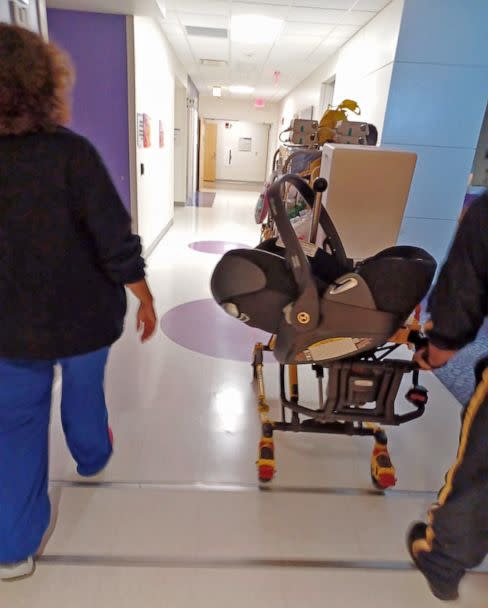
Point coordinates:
[[99, 208], [459, 302]]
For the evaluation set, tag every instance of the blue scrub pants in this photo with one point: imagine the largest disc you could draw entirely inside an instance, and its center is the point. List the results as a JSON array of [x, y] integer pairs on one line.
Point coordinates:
[[25, 407]]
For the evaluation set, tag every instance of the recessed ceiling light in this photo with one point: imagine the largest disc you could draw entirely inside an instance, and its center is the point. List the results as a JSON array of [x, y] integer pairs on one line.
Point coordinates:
[[217, 91], [255, 29], [241, 89]]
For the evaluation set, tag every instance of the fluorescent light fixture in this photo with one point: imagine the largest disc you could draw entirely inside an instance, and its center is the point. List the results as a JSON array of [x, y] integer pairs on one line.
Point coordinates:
[[217, 91], [241, 89], [255, 29]]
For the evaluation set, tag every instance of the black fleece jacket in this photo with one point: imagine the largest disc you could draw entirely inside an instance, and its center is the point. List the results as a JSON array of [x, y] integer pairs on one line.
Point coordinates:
[[459, 302], [66, 248]]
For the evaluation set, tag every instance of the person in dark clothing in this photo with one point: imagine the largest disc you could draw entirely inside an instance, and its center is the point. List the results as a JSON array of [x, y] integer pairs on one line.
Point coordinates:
[[66, 252], [456, 537]]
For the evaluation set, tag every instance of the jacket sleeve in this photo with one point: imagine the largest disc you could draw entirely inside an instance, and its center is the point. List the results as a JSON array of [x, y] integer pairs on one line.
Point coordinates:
[[459, 302], [101, 212]]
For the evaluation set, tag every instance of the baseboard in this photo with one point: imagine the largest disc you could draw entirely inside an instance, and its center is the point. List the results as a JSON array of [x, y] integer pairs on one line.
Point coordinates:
[[152, 247], [180, 204]]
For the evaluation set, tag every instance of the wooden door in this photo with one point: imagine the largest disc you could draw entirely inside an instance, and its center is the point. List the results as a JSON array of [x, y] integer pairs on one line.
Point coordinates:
[[210, 162]]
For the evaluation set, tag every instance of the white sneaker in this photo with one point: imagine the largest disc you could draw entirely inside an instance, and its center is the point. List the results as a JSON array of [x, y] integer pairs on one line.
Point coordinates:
[[9, 572]]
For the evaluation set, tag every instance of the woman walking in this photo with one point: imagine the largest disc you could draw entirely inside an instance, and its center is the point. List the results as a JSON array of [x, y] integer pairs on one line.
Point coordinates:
[[66, 252]]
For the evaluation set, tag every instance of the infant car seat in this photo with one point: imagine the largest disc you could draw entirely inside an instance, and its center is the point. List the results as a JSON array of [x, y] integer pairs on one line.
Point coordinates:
[[321, 306]]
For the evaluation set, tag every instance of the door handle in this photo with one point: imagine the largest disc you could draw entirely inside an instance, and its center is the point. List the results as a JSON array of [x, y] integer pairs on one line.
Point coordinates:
[[230, 157]]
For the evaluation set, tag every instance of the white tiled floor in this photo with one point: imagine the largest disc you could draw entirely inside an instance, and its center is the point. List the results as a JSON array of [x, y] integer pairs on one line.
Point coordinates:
[[177, 520]]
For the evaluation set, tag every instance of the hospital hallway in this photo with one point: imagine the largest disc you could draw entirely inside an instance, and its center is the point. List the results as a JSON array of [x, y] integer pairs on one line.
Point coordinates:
[[178, 520]]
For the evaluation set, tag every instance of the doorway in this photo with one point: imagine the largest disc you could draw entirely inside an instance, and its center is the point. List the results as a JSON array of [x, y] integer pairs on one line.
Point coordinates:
[[326, 95], [192, 156], [209, 161], [236, 151], [181, 145]]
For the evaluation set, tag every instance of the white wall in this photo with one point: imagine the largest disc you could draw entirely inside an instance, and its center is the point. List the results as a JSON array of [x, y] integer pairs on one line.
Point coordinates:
[[181, 144], [235, 109], [246, 166], [362, 69], [156, 70]]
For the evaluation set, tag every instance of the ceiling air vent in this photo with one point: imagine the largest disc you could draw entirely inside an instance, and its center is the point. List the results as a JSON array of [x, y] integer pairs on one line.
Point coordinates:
[[207, 32], [213, 63]]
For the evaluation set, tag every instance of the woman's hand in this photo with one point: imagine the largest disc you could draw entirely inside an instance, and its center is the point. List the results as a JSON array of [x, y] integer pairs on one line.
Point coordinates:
[[146, 315], [431, 357], [146, 320]]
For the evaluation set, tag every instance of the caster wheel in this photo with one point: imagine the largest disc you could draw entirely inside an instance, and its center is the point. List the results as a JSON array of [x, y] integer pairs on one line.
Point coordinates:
[[418, 396], [266, 473], [382, 469], [384, 482], [266, 462]]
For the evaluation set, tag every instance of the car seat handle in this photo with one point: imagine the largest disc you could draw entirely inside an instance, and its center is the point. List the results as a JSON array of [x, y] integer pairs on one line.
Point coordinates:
[[319, 187], [306, 310]]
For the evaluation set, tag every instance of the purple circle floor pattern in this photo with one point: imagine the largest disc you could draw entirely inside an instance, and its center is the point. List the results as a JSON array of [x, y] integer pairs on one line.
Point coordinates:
[[203, 327], [217, 247]]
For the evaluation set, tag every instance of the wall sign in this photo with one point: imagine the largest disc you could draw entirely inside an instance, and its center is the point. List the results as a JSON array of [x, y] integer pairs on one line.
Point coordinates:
[[245, 144], [161, 134], [140, 130], [147, 131]]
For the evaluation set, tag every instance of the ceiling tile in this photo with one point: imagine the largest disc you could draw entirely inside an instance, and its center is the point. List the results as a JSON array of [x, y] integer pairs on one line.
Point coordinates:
[[294, 48], [215, 7], [371, 5], [209, 48], [240, 53], [357, 17], [215, 74], [325, 50], [268, 10], [334, 4], [316, 15], [207, 20], [282, 3], [344, 31], [313, 31], [307, 29]]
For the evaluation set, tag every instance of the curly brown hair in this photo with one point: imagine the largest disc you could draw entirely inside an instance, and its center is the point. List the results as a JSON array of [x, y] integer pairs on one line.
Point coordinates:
[[36, 79]]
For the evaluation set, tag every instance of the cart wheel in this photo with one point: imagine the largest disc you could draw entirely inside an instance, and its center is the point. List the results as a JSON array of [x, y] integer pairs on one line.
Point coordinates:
[[418, 395], [383, 472], [266, 463], [266, 474]]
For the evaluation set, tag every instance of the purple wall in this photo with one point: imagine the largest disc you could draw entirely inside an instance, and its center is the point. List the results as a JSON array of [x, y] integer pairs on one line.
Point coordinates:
[[98, 47]]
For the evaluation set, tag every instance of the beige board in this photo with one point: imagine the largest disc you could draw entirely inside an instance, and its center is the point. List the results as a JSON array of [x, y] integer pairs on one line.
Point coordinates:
[[367, 195]]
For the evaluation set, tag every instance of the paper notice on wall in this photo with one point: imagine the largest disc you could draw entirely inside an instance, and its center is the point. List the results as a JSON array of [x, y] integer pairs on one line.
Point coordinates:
[[161, 134], [147, 130], [140, 130], [245, 144]]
